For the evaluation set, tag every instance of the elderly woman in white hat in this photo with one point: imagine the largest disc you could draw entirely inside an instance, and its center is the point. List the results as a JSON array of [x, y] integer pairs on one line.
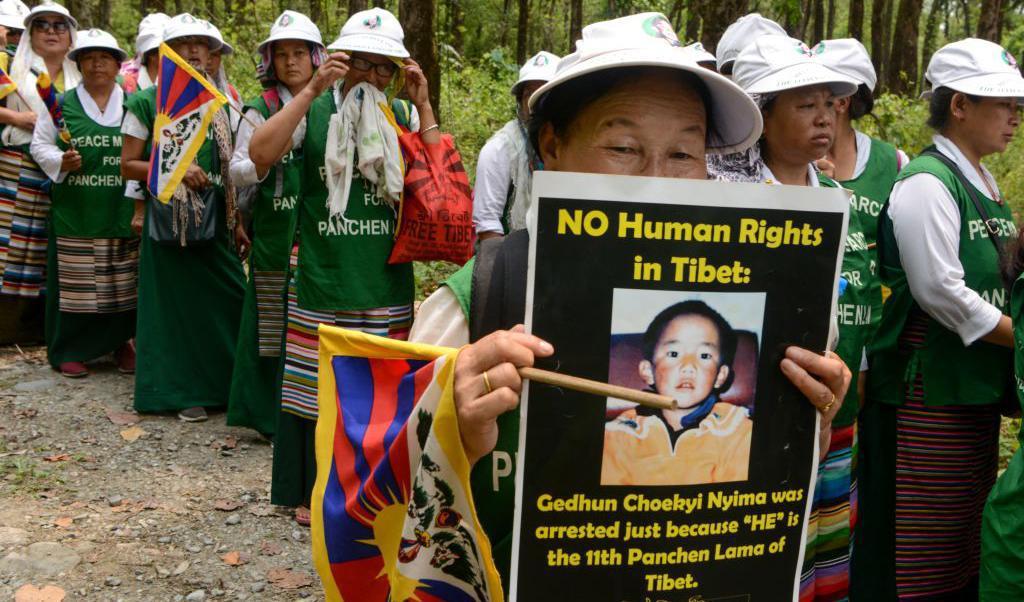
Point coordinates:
[[90, 312], [631, 73], [289, 56], [504, 168], [22, 184], [190, 295], [140, 72], [352, 175], [941, 360]]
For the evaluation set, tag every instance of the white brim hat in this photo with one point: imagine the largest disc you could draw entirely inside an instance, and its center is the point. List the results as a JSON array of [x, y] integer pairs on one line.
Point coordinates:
[[780, 63], [185, 25], [376, 31], [539, 68], [700, 54], [291, 25], [977, 67], [740, 34], [96, 39], [49, 8], [647, 40], [13, 13], [849, 57], [225, 48], [151, 33]]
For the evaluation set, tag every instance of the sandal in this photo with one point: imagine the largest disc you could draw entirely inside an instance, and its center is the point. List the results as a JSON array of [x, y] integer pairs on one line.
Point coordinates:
[[302, 515]]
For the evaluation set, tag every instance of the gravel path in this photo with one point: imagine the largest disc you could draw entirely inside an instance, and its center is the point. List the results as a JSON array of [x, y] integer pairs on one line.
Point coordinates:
[[104, 504]]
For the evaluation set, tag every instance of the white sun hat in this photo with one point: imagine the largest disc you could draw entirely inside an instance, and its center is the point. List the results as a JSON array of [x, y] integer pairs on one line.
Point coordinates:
[[375, 30], [849, 57], [185, 25], [13, 13], [151, 33], [539, 68], [292, 25], [225, 48], [977, 67], [741, 34], [648, 40], [778, 63], [52, 8], [96, 39], [701, 55]]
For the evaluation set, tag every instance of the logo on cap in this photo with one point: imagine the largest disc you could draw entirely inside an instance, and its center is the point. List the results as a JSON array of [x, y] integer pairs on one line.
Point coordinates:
[[373, 23], [285, 20], [95, 33], [1008, 59], [659, 27], [819, 48], [188, 19], [802, 48], [540, 61]]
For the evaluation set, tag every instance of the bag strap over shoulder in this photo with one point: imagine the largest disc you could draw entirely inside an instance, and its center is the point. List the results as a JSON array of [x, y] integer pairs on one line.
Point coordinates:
[[498, 298], [991, 225]]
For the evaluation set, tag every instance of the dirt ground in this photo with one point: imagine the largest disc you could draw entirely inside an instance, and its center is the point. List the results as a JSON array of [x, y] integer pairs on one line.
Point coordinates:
[[104, 504]]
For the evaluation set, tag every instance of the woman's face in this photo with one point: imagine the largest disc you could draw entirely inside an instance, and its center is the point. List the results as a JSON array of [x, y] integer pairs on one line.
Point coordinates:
[[989, 123], [293, 65], [648, 126], [194, 49], [99, 68], [213, 63], [798, 125], [51, 35], [376, 69]]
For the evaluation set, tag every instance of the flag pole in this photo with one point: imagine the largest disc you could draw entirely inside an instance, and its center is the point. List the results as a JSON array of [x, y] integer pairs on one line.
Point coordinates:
[[584, 385], [240, 112]]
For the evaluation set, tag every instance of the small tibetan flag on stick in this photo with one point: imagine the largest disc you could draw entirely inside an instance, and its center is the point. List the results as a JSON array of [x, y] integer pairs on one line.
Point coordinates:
[[48, 93], [185, 105], [7, 85]]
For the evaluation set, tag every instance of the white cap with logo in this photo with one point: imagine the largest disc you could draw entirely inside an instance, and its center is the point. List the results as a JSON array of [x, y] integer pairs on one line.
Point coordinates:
[[375, 30], [741, 34], [52, 8], [185, 25], [700, 54], [96, 39], [151, 33], [539, 68], [293, 25], [849, 57], [778, 63], [975, 66], [13, 13], [224, 48], [648, 40]]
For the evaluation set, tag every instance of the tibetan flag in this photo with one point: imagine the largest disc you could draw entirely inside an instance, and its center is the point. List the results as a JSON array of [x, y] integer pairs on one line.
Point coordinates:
[[7, 85], [393, 516], [185, 105], [48, 93]]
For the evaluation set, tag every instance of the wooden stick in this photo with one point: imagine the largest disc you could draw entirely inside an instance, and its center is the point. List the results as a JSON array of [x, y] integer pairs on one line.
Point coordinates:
[[241, 114], [653, 400]]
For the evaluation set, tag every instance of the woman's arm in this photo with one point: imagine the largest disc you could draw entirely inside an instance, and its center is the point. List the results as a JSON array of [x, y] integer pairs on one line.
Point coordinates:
[[25, 120], [417, 87]]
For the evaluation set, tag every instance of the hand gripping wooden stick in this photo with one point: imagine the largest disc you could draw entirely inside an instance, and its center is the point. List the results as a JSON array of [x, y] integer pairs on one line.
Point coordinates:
[[653, 400]]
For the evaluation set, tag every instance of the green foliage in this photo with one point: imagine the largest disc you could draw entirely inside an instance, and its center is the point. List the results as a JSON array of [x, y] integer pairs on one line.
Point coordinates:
[[1008, 442]]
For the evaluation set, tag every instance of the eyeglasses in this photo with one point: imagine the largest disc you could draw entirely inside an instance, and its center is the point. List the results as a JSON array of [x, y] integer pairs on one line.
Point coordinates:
[[55, 26], [382, 69]]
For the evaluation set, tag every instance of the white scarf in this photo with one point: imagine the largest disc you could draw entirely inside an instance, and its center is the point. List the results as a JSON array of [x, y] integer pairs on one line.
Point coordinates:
[[518, 158], [360, 128], [24, 61]]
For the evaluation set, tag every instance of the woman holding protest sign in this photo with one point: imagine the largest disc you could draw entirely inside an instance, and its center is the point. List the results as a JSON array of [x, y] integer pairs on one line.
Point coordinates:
[[341, 272], [24, 202], [941, 365], [190, 279], [629, 101], [92, 252], [289, 57]]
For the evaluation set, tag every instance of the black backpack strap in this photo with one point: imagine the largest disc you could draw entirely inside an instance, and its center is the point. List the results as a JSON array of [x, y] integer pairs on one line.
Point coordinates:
[[991, 226], [498, 298]]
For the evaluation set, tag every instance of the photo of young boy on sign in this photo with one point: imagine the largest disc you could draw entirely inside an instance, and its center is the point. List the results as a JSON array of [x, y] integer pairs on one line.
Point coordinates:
[[689, 351]]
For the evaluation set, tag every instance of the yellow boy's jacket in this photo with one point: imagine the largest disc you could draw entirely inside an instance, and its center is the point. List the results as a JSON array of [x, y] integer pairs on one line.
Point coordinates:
[[638, 449]]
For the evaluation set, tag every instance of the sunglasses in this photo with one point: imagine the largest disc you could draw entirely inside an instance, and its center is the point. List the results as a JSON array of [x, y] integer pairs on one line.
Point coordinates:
[[382, 69], [55, 26]]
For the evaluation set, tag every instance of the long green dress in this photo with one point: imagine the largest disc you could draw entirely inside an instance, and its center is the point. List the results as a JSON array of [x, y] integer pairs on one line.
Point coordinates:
[[91, 252], [256, 381], [190, 300]]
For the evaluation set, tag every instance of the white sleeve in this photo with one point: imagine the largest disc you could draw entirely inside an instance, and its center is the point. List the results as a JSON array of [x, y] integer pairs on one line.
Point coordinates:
[[901, 159], [926, 224], [45, 151], [440, 321], [131, 126], [490, 193], [243, 170], [133, 190]]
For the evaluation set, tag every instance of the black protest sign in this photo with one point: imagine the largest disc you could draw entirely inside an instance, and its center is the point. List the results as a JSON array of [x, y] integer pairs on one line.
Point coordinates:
[[693, 290]]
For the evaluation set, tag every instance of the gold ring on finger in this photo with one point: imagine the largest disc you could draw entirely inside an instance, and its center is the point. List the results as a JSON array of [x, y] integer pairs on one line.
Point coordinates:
[[487, 383], [828, 406]]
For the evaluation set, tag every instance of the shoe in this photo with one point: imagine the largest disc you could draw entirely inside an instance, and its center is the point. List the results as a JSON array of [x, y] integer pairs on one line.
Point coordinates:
[[196, 414], [74, 370], [125, 357], [302, 516]]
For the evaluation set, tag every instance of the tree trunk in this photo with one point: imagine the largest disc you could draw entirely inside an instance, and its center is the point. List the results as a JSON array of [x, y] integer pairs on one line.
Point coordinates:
[[989, 20], [692, 20], [458, 19], [575, 23], [902, 75], [316, 11], [931, 28], [355, 6], [675, 16], [879, 40], [716, 16], [855, 24], [830, 27], [417, 17], [521, 31], [102, 20], [965, 9], [805, 19], [819, 21]]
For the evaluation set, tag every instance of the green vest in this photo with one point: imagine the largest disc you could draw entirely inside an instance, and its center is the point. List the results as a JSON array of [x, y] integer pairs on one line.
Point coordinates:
[[343, 263], [1017, 313], [90, 202], [951, 373], [274, 210]]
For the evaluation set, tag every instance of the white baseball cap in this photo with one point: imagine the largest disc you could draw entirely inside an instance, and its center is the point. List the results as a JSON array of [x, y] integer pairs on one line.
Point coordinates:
[[151, 33], [977, 67], [52, 8], [540, 68], [292, 25], [96, 39], [742, 33], [777, 63], [13, 13], [648, 40], [185, 25], [224, 48], [849, 57], [701, 55], [375, 30]]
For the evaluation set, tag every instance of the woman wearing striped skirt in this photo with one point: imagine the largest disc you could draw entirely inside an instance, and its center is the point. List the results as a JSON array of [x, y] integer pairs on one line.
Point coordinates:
[[941, 362]]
